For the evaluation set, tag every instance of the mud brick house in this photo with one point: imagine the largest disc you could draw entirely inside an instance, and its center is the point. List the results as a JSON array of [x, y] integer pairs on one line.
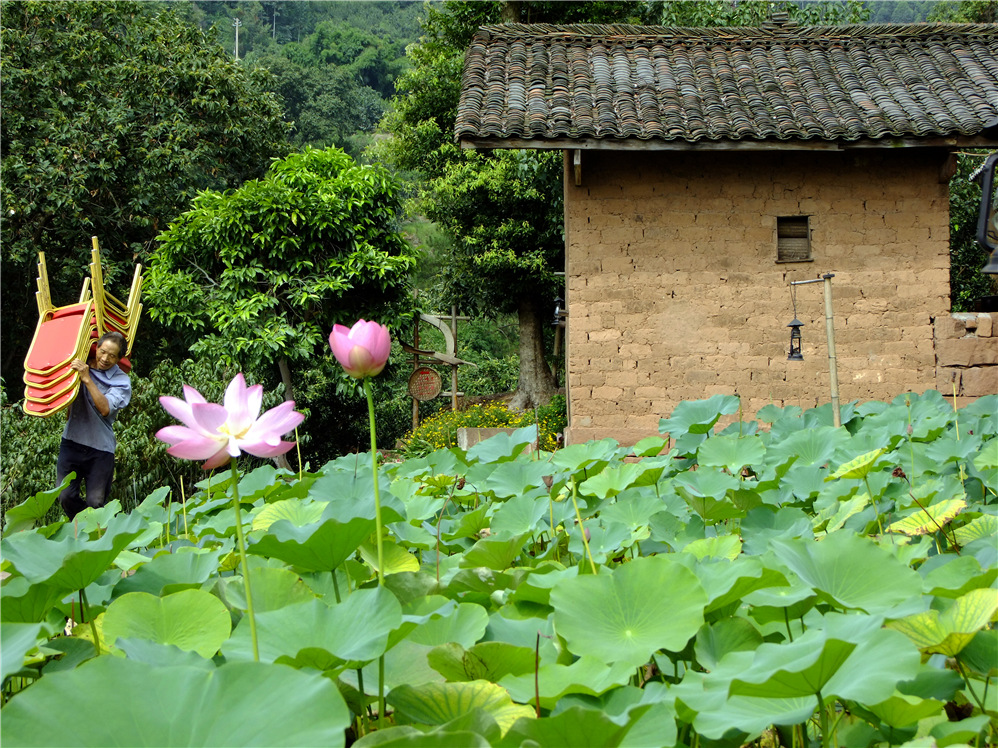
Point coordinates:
[[705, 169]]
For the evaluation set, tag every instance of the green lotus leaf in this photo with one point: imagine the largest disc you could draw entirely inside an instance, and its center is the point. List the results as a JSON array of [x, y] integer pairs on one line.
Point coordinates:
[[698, 416], [16, 640], [439, 703], [633, 508], [628, 624], [536, 588], [981, 654], [521, 514], [356, 630], [937, 683], [858, 467], [814, 446], [33, 509], [161, 655], [984, 526], [193, 620], [606, 540], [703, 700], [517, 477], [273, 588], [188, 566], [405, 736], [882, 659], [321, 546], [732, 452], [178, 706], [850, 571], [70, 563], [349, 492], [587, 675], [489, 661], [24, 602], [728, 581], [965, 732], [943, 451], [463, 626], [793, 669], [396, 558], [468, 524], [496, 552], [405, 664], [410, 737], [902, 711], [950, 631], [296, 512], [930, 519], [576, 727], [650, 446], [763, 524], [613, 480], [716, 640], [591, 456], [503, 447], [718, 547]]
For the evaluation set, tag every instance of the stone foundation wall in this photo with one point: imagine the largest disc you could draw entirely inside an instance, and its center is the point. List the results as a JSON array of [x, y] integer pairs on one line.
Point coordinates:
[[674, 291], [966, 355]]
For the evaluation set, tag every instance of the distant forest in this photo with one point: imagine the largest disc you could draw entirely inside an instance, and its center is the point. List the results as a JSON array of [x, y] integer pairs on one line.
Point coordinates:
[[335, 62]]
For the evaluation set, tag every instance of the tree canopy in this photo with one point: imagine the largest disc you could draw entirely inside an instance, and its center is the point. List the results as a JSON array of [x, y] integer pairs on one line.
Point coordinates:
[[259, 274], [114, 118]]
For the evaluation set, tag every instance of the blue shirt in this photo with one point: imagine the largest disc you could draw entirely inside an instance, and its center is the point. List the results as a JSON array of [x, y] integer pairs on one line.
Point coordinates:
[[85, 424]]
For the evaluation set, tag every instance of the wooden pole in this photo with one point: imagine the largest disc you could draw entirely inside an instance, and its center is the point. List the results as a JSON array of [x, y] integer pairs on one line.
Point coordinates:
[[833, 371]]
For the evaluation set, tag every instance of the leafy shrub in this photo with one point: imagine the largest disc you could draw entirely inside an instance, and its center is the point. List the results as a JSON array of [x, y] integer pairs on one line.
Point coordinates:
[[440, 430]]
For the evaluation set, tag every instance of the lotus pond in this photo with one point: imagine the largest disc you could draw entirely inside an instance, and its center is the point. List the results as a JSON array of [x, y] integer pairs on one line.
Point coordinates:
[[775, 582]]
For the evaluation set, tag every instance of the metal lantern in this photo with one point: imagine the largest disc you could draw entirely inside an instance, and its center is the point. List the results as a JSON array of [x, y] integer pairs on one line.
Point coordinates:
[[795, 353]]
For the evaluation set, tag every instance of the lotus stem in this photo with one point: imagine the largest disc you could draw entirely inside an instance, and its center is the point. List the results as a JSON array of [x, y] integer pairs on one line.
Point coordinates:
[[582, 529], [381, 554], [336, 587], [374, 474], [244, 564], [298, 448], [183, 506], [823, 716], [85, 610]]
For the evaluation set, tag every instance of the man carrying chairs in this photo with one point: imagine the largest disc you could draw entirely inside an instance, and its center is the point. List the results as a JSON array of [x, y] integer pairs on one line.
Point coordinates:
[[88, 441]]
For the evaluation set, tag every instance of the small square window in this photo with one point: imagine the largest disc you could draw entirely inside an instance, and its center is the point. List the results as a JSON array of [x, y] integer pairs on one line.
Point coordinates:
[[793, 239]]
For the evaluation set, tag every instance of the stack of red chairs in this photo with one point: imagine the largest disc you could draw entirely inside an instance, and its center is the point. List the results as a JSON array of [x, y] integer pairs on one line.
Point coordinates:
[[70, 332]]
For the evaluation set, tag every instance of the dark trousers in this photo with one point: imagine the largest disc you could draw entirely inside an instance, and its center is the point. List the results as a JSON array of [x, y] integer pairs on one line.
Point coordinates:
[[94, 467]]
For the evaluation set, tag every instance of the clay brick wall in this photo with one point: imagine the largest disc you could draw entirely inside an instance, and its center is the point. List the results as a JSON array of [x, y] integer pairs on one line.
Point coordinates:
[[674, 292]]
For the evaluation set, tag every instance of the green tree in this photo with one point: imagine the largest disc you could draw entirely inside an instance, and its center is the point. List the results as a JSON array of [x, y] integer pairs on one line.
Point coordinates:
[[504, 208], [113, 119], [751, 12], [258, 275]]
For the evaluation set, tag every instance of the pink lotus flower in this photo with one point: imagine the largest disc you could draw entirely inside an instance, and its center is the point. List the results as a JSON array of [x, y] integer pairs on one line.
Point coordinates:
[[363, 349], [215, 433]]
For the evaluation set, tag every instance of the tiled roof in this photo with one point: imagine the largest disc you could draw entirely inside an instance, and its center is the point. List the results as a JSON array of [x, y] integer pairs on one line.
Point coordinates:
[[778, 82]]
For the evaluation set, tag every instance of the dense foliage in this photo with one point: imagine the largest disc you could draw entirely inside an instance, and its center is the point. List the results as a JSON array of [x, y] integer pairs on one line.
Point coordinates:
[[439, 431], [113, 119], [259, 275], [796, 585]]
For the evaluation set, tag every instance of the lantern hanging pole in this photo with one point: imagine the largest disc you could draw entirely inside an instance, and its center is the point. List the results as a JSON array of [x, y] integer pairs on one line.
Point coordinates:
[[833, 370]]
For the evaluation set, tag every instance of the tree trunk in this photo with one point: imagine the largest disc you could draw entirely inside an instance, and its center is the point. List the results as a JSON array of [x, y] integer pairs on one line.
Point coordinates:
[[510, 11], [282, 460], [537, 384]]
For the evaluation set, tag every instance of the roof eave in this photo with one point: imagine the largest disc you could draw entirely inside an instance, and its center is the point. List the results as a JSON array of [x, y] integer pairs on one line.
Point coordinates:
[[636, 144]]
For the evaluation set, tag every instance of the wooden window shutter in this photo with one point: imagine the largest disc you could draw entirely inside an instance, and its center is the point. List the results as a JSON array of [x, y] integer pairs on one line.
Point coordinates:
[[793, 239]]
